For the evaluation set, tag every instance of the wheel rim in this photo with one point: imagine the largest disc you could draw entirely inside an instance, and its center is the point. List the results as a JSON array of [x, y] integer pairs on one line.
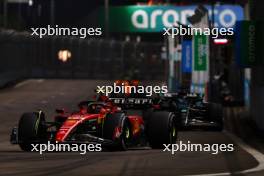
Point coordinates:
[[125, 137], [127, 133], [173, 131]]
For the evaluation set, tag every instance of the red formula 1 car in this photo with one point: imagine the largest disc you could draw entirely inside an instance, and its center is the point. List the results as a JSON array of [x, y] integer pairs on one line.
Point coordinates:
[[104, 122]]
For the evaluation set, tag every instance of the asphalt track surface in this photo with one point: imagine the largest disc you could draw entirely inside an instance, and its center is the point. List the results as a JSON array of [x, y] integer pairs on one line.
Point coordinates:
[[31, 95]]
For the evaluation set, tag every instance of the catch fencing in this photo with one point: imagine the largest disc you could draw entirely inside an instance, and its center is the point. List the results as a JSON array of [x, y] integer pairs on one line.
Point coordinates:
[[29, 56]]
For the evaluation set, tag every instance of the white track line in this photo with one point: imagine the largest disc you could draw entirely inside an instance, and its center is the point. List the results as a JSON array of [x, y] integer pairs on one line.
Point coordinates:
[[256, 154], [22, 83], [28, 81]]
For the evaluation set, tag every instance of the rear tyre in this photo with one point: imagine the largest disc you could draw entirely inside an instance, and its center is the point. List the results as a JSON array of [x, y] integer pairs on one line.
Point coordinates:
[[146, 114], [216, 115], [31, 129], [117, 128], [162, 129]]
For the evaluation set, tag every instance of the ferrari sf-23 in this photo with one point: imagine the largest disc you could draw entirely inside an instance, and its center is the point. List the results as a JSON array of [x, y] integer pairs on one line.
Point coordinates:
[[114, 123]]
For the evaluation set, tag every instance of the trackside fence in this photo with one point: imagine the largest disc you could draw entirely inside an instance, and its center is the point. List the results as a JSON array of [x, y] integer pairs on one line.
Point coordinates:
[[24, 55]]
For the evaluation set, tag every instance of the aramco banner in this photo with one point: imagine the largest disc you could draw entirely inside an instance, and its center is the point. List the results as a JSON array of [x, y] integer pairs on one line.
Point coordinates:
[[155, 18]]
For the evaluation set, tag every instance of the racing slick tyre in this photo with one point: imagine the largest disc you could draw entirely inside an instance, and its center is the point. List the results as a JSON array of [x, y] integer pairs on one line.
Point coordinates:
[[117, 129], [31, 129], [216, 115], [162, 129], [147, 113]]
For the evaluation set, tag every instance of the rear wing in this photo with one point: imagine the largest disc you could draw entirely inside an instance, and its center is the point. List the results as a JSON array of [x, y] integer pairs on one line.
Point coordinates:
[[132, 103]]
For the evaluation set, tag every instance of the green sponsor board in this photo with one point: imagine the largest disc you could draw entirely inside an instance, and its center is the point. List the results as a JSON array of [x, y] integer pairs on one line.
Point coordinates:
[[137, 18], [200, 52], [249, 39], [155, 18]]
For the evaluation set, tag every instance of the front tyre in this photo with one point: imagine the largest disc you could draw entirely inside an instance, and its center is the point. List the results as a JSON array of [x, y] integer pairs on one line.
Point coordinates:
[[31, 129], [162, 129]]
